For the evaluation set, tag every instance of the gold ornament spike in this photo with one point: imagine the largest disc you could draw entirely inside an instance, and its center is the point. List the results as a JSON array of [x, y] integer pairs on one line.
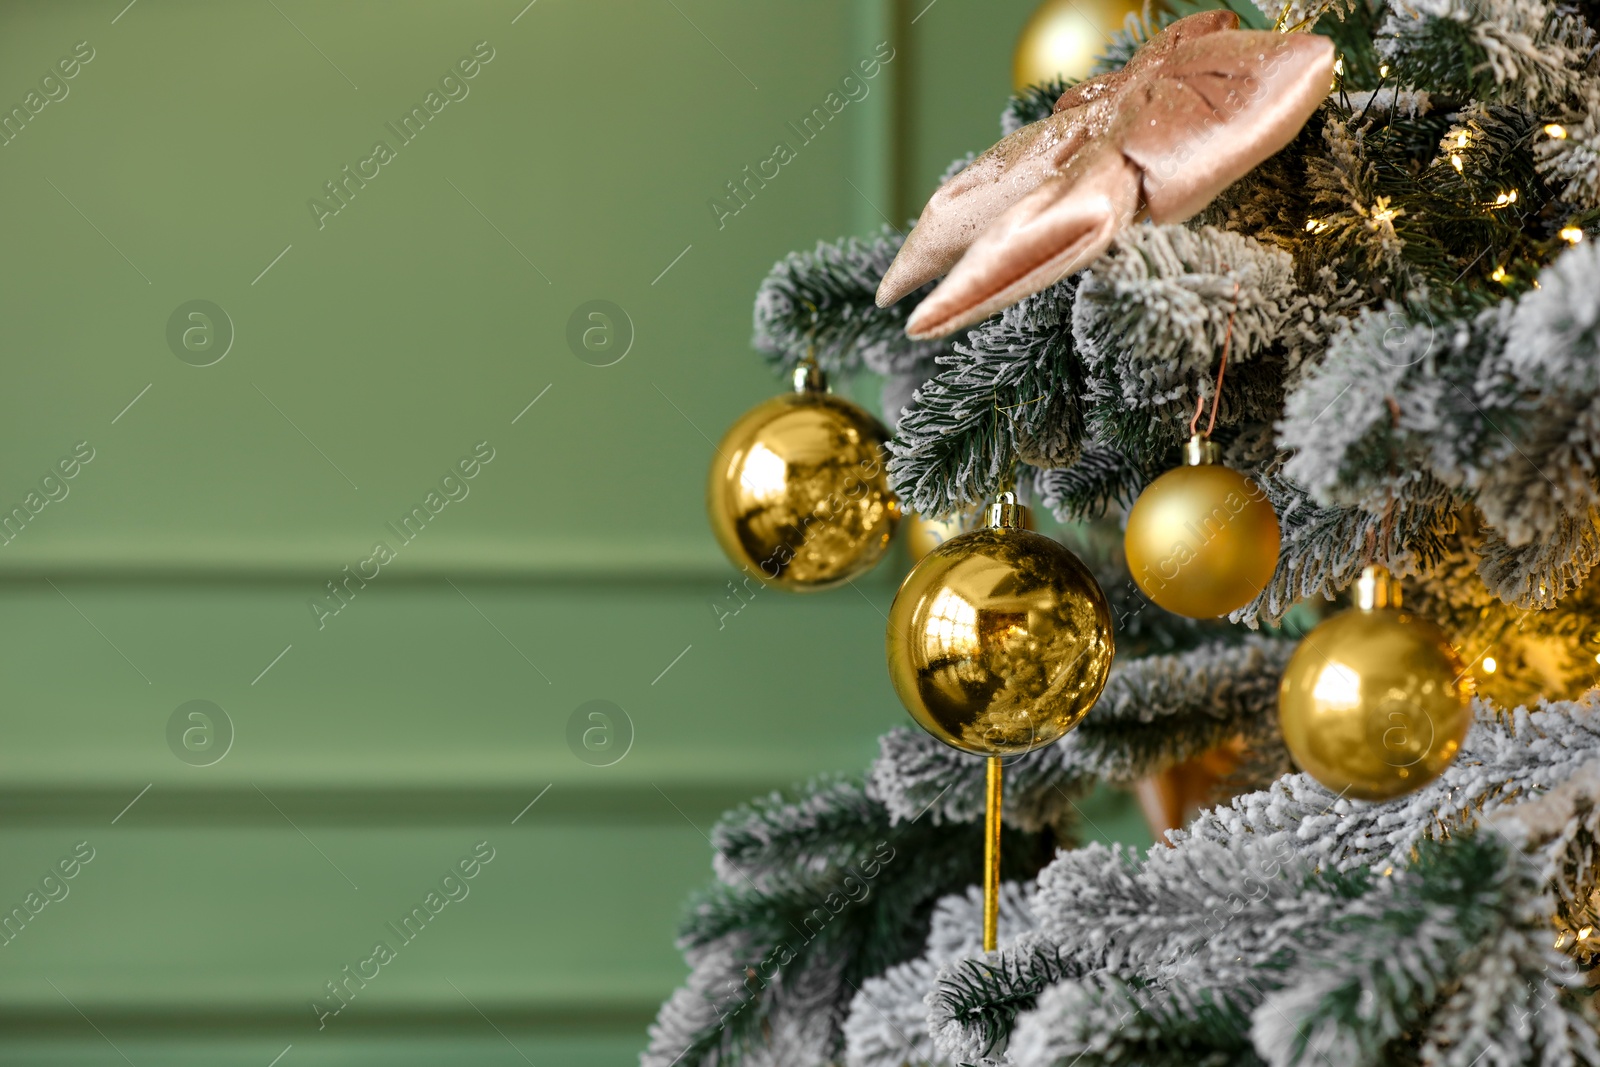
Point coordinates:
[[991, 856]]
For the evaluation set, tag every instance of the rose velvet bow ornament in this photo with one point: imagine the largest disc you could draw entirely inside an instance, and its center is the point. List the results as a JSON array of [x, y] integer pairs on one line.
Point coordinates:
[[1198, 106]]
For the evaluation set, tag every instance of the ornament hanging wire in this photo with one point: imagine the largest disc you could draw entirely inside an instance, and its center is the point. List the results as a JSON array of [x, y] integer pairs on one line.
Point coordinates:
[[1222, 368]]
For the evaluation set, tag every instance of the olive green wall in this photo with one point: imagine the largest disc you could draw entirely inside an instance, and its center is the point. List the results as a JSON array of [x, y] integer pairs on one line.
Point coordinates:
[[360, 357]]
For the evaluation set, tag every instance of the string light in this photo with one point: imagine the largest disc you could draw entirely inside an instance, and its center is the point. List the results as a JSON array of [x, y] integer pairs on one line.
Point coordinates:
[[1583, 935], [1318, 225], [1557, 131], [1461, 139], [1504, 199], [1499, 274], [1489, 665], [1383, 70], [1382, 212], [1455, 161], [1571, 234]]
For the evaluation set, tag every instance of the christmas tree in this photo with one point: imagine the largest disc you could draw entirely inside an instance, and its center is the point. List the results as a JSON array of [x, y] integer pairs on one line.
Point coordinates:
[[1408, 296]]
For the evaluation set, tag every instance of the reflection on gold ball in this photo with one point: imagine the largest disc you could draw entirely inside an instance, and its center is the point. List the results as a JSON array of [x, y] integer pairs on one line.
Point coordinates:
[[999, 641], [1063, 38], [1202, 540], [1375, 703], [799, 495]]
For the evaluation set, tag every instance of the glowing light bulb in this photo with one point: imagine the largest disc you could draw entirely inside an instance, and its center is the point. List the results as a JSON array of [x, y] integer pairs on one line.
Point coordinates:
[[1499, 274], [1571, 234], [1583, 935], [1557, 131], [1383, 70], [1489, 665], [1455, 161], [1461, 138]]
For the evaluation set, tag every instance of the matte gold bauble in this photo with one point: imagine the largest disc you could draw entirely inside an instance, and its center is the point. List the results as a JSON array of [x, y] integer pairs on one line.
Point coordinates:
[[799, 493], [1202, 539], [999, 640], [1063, 37], [1375, 702]]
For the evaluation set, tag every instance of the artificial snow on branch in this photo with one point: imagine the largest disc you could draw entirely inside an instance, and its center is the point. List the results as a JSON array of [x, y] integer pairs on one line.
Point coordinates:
[[1009, 393], [821, 303]]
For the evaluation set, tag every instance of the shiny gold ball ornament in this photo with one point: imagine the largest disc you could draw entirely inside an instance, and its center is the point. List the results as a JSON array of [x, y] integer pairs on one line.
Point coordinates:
[[1202, 539], [1375, 702], [999, 640], [799, 491], [1063, 38]]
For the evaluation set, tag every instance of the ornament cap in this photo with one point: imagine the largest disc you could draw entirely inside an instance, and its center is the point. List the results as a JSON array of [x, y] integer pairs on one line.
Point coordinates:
[[1377, 588], [808, 378], [1006, 514], [1201, 451]]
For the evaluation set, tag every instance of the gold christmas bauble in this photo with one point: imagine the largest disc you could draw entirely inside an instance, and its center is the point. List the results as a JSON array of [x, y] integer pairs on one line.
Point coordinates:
[[1202, 539], [1063, 38], [1375, 702], [799, 491], [999, 640]]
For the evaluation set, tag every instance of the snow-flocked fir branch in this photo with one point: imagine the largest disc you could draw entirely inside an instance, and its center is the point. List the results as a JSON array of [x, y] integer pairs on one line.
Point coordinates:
[[888, 1024], [1008, 393], [1504, 405], [1150, 321], [813, 897], [822, 303], [1511, 51], [1568, 155]]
